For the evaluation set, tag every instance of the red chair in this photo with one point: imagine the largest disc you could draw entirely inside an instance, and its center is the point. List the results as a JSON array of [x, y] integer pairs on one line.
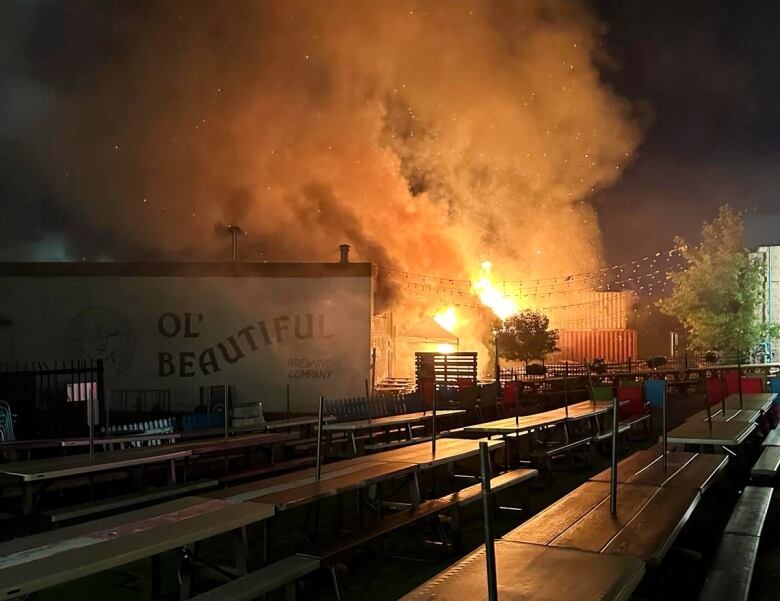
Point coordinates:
[[633, 394], [509, 396], [716, 389]]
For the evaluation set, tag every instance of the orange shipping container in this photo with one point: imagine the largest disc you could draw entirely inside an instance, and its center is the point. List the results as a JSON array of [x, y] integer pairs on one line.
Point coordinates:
[[611, 345]]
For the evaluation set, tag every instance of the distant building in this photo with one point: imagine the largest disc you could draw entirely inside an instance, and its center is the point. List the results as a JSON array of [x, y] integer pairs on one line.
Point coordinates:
[[762, 238]]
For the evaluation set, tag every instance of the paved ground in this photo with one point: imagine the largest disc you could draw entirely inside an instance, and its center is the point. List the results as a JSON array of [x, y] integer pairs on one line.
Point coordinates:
[[385, 577]]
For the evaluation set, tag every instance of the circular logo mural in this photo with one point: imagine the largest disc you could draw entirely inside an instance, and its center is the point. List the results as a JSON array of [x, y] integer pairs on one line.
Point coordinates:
[[101, 333]]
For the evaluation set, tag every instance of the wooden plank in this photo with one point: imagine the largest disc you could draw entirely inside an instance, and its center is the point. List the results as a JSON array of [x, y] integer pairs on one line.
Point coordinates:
[[596, 528], [717, 415], [243, 441], [772, 439], [653, 530], [730, 575], [553, 521], [448, 450], [535, 572], [768, 463], [262, 581], [699, 473], [750, 512]]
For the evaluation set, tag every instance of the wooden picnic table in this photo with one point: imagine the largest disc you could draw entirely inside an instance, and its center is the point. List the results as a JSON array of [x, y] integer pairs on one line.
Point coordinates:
[[404, 420], [683, 469], [648, 520], [715, 433], [354, 473], [757, 401], [36, 562], [527, 572], [42, 470], [231, 443], [544, 419], [119, 439]]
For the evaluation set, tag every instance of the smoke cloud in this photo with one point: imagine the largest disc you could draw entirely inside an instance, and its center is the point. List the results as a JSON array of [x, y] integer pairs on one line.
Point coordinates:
[[428, 135]]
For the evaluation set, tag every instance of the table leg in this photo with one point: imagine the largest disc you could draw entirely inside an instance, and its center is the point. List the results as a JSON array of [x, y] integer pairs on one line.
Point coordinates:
[[185, 572], [414, 489], [240, 546], [27, 498], [172, 472], [354, 442], [408, 431], [155, 576]]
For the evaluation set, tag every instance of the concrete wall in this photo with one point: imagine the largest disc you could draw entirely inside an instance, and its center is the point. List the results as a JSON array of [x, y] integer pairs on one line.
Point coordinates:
[[256, 327]]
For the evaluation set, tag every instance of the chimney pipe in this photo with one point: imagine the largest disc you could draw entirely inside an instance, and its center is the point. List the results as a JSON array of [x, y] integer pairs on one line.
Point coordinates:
[[343, 253], [235, 231]]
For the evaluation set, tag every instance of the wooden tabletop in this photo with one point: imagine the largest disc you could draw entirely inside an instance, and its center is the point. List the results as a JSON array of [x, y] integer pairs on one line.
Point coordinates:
[[522, 423], [728, 434], [448, 450], [647, 522], [36, 562], [296, 422], [334, 485], [119, 439], [389, 421], [688, 470], [759, 401], [527, 572], [553, 417], [717, 415], [218, 445], [71, 465]]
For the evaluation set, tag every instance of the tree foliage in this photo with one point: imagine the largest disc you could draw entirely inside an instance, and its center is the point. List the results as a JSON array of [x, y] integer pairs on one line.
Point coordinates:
[[717, 296], [525, 336]]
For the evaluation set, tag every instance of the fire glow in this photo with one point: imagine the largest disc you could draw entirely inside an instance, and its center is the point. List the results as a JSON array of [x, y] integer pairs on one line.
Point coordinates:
[[488, 294]]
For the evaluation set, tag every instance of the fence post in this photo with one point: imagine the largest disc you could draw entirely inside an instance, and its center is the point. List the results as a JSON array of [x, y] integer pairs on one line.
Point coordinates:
[[319, 437]]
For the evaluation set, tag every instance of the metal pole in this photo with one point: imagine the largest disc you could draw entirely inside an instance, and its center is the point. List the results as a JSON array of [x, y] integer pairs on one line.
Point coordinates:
[[517, 402], [566, 389], [433, 421], [288, 402], [368, 401], [739, 378], [498, 367], [613, 473], [723, 392], [663, 422], [709, 413], [319, 437], [90, 418], [226, 409], [487, 508]]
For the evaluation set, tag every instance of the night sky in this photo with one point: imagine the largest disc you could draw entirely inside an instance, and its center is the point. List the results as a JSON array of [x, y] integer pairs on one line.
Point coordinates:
[[701, 77], [706, 73]]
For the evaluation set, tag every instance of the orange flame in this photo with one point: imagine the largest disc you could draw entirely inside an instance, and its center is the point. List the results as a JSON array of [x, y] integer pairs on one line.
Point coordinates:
[[490, 296]]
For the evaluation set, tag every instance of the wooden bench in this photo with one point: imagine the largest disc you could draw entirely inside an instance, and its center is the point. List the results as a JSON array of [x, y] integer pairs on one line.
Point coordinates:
[[473, 493], [768, 463], [266, 470], [395, 444], [327, 555], [544, 456], [731, 573], [283, 573], [144, 497]]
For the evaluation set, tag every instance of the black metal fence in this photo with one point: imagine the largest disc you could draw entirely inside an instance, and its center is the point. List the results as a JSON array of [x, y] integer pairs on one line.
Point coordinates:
[[49, 399], [679, 363]]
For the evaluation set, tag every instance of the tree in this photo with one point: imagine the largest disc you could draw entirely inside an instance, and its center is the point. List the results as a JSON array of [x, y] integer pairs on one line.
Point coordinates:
[[525, 336], [717, 296]]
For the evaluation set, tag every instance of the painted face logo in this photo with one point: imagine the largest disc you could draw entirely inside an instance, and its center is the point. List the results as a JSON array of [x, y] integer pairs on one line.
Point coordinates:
[[101, 333]]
